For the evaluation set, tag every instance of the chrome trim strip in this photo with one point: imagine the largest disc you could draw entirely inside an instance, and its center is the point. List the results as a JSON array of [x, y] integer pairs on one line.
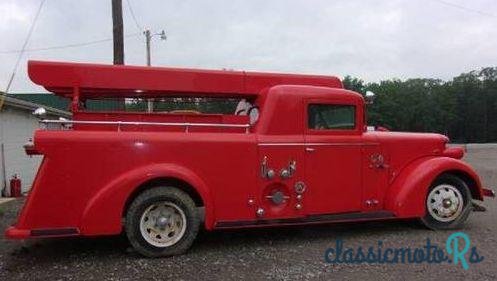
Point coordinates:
[[314, 144], [281, 144], [120, 123]]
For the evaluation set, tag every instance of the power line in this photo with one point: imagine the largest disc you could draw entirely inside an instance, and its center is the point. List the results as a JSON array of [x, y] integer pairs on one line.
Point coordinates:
[[24, 45], [74, 45], [465, 8], [138, 26]]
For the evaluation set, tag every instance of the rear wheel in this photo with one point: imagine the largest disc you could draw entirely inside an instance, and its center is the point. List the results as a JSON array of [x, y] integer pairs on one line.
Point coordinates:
[[448, 203], [162, 221]]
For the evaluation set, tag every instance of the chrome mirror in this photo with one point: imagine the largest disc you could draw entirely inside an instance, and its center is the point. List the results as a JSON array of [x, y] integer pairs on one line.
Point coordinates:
[[40, 113], [370, 97]]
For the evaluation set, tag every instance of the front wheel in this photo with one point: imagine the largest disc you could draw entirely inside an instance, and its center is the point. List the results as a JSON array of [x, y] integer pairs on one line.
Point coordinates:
[[448, 203], [162, 221]]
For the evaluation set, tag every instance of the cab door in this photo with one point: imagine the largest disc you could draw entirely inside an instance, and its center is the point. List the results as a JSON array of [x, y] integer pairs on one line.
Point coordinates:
[[333, 156]]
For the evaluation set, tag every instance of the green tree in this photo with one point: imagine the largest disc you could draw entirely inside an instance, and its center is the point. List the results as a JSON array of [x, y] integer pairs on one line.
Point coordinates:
[[464, 108]]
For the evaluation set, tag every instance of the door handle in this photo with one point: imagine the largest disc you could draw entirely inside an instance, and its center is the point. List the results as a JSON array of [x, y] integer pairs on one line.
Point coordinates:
[[310, 149]]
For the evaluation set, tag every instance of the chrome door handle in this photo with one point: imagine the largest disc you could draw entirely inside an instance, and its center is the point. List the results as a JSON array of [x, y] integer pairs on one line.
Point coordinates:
[[309, 149]]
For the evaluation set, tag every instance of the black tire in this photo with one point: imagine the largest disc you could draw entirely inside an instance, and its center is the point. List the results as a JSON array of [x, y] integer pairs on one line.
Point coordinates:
[[433, 223], [150, 197]]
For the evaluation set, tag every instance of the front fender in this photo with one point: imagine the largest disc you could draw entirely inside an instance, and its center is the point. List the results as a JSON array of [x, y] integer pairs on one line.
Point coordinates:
[[103, 213], [406, 195]]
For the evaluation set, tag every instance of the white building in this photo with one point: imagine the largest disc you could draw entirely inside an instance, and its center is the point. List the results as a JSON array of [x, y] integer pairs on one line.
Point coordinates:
[[17, 124]]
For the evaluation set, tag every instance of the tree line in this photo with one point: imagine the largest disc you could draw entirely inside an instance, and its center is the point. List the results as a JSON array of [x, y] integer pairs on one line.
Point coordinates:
[[464, 108]]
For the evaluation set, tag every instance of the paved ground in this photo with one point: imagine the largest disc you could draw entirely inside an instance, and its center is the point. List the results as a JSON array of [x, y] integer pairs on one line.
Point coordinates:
[[280, 254], [5, 200]]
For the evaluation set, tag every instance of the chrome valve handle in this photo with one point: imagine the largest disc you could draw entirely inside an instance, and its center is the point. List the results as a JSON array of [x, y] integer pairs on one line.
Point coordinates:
[[266, 172]]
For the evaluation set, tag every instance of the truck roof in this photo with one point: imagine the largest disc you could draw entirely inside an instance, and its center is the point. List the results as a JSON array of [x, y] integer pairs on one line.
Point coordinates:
[[100, 80]]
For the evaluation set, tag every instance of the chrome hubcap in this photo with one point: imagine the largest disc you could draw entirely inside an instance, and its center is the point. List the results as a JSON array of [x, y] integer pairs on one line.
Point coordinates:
[[163, 224], [445, 203]]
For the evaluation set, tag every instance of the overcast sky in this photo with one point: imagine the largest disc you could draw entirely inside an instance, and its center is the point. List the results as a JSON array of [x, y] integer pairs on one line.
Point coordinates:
[[370, 39]]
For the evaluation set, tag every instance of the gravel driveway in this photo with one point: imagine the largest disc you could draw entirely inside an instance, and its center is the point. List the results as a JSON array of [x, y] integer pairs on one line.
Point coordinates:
[[295, 253]]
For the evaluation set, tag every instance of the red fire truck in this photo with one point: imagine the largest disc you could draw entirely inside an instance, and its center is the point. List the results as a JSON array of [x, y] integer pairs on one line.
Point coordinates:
[[294, 150]]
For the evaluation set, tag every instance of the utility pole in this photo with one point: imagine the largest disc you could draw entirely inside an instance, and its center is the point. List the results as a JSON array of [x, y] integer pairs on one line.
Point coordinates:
[[148, 38], [117, 31]]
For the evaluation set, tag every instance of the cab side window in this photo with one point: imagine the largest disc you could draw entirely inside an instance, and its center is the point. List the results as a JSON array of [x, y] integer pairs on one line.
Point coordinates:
[[331, 117]]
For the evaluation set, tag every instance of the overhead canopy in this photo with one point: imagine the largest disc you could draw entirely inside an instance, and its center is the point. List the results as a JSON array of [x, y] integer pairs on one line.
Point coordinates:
[[100, 81]]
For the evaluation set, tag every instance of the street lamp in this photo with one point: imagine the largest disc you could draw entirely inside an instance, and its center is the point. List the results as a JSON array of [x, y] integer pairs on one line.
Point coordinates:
[[148, 38]]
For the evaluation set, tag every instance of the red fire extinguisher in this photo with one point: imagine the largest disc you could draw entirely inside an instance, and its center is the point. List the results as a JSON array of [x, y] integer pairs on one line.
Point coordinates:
[[15, 186]]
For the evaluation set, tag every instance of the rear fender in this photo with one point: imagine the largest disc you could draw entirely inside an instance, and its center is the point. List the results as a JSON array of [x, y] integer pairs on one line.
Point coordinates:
[[406, 196], [104, 211]]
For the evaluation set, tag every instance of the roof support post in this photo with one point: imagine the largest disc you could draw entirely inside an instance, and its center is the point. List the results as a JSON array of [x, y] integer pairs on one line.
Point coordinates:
[[75, 100]]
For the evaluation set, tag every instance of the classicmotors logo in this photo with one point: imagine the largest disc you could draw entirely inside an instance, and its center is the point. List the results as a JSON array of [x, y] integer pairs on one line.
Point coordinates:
[[457, 250]]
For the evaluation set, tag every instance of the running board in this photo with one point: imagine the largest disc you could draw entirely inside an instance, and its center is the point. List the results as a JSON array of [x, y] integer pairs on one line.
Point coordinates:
[[55, 232], [329, 218]]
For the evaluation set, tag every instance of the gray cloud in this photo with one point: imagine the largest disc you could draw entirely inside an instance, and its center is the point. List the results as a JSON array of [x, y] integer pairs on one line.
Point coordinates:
[[371, 39]]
